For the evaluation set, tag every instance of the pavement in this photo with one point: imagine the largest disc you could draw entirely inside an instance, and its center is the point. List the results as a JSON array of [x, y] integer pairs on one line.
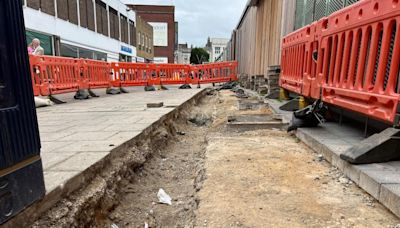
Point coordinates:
[[77, 135], [382, 181]]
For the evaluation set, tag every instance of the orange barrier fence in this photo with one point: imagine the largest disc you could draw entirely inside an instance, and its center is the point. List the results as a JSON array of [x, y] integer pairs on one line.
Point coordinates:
[[55, 75], [355, 64]]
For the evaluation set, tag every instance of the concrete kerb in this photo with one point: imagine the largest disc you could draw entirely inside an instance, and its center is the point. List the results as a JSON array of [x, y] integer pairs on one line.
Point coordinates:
[[386, 191], [33, 212]]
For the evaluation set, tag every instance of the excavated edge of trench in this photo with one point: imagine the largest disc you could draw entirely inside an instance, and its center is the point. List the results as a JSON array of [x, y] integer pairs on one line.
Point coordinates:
[[79, 201]]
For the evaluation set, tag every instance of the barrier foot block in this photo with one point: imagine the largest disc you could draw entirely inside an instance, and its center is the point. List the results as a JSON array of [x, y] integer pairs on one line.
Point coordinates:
[[113, 91], [185, 86], [55, 100], [123, 90], [382, 147], [163, 87], [92, 94], [198, 86], [292, 105], [81, 95], [149, 88]]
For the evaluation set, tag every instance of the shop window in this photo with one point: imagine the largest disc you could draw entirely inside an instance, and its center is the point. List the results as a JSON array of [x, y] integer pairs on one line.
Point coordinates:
[[46, 41]]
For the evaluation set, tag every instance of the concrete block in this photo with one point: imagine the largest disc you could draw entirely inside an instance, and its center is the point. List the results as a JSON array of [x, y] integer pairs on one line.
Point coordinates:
[[352, 172], [390, 197], [155, 105], [54, 179], [369, 185]]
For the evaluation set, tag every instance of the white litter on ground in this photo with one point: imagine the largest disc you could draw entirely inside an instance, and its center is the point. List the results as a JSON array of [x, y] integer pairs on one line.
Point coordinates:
[[163, 197]]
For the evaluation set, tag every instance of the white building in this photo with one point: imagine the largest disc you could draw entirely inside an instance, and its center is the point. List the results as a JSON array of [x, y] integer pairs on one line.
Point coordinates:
[[182, 54], [215, 47], [95, 29]]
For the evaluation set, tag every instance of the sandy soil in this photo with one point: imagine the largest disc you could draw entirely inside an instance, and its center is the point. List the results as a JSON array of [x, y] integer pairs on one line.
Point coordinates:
[[269, 179], [218, 178]]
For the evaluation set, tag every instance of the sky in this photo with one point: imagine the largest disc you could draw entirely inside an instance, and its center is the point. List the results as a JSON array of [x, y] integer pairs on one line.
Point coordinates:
[[199, 19]]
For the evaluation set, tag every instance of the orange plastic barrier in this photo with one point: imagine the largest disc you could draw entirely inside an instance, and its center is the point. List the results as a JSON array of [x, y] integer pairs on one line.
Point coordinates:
[[173, 74], [54, 75], [133, 74], [357, 63], [214, 72], [363, 74], [97, 74], [296, 58]]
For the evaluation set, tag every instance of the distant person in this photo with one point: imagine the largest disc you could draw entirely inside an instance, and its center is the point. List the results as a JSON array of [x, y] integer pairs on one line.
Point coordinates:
[[37, 49], [30, 48]]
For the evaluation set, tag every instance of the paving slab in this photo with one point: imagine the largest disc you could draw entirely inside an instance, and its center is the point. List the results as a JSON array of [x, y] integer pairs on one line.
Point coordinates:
[[382, 180], [77, 135]]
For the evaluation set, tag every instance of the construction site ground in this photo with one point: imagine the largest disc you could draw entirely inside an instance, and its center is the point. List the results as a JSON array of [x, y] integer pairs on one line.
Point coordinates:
[[217, 177]]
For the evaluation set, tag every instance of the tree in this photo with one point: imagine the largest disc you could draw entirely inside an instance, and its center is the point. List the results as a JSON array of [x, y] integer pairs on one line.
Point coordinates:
[[198, 56]]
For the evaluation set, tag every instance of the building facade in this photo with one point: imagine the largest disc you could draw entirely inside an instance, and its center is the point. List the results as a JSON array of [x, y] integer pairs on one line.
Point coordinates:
[[144, 44], [215, 47], [182, 54], [94, 29], [162, 18]]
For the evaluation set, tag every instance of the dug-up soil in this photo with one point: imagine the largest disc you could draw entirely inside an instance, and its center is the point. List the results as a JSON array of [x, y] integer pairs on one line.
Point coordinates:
[[220, 178]]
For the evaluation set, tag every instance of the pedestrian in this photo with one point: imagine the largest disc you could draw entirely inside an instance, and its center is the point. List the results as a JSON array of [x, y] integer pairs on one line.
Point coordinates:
[[37, 49], [30, 48]]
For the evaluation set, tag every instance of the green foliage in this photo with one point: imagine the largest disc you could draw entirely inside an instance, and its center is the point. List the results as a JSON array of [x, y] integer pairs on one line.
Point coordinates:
[[199, 56]]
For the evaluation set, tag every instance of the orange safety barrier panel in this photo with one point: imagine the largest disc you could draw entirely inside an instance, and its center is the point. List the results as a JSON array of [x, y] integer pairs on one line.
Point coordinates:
[[352, 60], [173, 73], [358, 65], [134, 74], [296, 60], [214, 72], [96, 74], [55, 75]]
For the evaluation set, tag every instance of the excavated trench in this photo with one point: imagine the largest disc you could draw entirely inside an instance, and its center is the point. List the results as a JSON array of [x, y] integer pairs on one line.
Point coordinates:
[[168, 155], [220, 171]]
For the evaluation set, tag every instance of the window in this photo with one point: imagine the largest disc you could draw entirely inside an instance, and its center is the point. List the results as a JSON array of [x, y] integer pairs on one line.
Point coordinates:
[[86, 14], [78, 52], [46, 41], [132, 32], [124, 29], [101, 18], [114, 24], [139, 35], [217, 50]]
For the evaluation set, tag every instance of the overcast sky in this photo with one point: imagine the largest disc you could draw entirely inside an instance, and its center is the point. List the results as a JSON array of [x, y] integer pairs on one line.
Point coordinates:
[[199, 19]]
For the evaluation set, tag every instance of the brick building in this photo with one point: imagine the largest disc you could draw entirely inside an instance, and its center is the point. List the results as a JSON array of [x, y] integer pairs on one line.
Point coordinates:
[[162, 18], [145, 47]]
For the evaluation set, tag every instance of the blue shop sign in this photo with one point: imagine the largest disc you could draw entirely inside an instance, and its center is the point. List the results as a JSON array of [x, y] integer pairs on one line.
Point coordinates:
[[126, 49]]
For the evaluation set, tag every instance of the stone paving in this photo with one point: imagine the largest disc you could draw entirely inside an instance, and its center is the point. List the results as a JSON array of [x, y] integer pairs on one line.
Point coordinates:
[[382, 180], [78, 134]]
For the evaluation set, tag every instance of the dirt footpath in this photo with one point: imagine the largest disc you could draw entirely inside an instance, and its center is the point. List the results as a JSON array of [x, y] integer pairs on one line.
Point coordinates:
[[269, 179]]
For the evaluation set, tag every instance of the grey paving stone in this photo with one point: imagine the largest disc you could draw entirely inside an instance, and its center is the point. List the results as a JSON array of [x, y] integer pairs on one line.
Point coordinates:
[[390, 197], [49, 137], [50, 159], [89, 136], [88, 146], [80, 133], [79, 161], [54, 179], [48, 147]]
